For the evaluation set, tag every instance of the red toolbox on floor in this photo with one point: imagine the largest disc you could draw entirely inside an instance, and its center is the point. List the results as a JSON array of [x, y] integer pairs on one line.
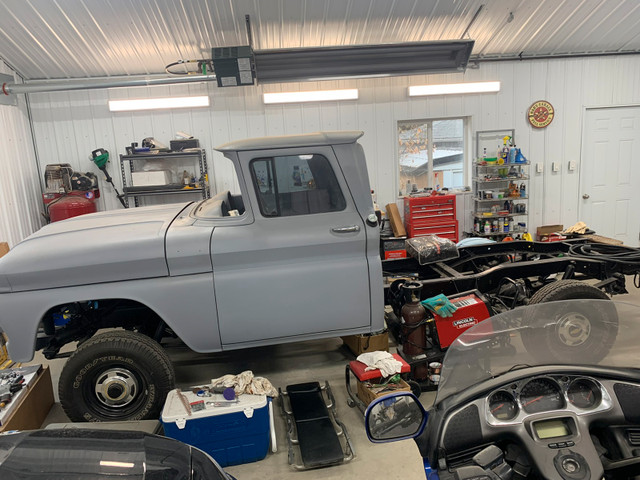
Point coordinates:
[[431, 215]]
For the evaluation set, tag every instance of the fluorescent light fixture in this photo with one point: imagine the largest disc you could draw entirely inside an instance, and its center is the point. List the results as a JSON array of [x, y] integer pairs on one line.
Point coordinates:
[[453, 88], [316, 96], [158, 103], [109, 463]]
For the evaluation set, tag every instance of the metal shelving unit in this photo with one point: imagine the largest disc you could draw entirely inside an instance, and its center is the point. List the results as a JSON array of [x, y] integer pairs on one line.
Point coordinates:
[[498, 179], [131, 163]]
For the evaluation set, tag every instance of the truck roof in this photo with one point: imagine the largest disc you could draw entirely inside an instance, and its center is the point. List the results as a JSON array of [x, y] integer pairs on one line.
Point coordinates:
[[287, 141]]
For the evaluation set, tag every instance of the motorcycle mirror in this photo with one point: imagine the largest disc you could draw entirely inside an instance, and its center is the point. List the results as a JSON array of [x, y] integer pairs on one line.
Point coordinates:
[[394, 417]]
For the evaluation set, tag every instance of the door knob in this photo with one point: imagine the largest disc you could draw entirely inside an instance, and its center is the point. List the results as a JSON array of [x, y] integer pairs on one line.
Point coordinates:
[[585, 196]]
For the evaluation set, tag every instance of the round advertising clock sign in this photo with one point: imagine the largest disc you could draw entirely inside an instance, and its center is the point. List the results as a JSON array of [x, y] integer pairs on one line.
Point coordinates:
[[540, 114]]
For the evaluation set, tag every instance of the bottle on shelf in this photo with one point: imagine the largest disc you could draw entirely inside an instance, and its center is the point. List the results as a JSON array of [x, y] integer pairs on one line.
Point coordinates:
[[512, 155]]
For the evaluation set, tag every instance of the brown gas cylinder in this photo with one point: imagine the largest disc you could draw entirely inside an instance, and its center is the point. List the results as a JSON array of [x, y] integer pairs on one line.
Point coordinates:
[[414, 330], [413, 327]]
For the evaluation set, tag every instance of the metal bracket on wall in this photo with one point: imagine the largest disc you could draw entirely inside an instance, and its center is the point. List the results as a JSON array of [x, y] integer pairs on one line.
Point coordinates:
[[7, 99]]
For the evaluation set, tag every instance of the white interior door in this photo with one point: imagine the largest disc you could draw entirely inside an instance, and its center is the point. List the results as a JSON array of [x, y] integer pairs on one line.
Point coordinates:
[[610, 173]]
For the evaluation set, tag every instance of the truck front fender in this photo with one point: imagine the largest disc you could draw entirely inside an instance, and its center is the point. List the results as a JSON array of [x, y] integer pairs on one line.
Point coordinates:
[[186, 304]]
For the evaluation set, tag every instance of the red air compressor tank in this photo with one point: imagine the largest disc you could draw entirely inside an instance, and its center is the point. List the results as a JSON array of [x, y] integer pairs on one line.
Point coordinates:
[[72, 204]]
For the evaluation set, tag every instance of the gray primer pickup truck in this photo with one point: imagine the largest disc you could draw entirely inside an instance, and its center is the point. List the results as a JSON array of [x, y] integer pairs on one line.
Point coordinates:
[[294, 257]]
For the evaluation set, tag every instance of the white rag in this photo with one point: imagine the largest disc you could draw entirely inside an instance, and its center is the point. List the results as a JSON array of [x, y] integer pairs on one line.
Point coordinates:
[[246, 383], [380, 360]]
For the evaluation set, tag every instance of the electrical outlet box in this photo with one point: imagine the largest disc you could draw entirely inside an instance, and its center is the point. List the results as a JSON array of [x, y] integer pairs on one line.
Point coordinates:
[[539, 167], [572, 165], [555, 167]]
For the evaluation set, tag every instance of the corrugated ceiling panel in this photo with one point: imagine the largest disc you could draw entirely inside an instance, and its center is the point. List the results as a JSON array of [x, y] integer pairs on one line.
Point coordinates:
[[80, 38]]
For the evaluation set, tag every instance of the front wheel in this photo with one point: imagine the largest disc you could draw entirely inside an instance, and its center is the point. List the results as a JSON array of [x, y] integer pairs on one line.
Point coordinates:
[[116, 376]]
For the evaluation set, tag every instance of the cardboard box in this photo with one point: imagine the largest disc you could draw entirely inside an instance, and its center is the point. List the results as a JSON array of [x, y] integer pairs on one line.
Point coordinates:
[[393, 214], [368, 392], [552, 237], [4, 248], [33, 406], [392, 248], [150, 178], [546, 230], [367, 343]]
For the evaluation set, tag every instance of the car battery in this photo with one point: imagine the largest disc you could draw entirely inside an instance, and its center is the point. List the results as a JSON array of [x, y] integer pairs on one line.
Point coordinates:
[[392, 248], [472, 309], [232, 433]]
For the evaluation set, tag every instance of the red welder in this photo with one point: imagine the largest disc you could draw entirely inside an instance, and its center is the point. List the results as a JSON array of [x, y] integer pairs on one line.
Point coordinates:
[[472, 309]]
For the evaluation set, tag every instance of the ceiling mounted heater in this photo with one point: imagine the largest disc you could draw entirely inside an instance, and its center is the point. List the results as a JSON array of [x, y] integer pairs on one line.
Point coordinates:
[[328, 63]]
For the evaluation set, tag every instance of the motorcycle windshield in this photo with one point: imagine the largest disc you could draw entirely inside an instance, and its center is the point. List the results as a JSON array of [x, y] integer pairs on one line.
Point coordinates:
[[570, 332]]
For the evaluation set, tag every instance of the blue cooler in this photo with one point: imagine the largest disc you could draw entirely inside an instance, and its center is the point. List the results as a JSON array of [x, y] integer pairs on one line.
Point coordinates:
[[232, 434]]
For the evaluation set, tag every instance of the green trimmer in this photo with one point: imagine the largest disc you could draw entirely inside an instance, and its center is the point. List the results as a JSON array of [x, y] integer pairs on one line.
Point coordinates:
[[100, 157]]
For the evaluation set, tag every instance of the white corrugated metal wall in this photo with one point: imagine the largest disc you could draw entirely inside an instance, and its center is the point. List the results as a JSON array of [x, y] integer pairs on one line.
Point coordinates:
[[20, 194], [68, 126]]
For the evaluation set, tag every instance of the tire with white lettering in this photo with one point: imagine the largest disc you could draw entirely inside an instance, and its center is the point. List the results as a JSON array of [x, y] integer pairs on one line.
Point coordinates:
[[116, 376]]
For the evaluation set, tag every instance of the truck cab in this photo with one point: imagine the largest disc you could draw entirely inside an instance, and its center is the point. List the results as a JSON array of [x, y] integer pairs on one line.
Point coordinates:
[[304, 255]]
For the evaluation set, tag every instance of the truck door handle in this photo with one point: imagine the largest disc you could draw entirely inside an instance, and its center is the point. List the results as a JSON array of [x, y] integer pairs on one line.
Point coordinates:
[[349, 229]]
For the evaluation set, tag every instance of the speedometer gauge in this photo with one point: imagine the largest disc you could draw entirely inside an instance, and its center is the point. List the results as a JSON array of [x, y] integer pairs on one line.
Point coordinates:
[[584, 393], [541, 395], [503, 406]]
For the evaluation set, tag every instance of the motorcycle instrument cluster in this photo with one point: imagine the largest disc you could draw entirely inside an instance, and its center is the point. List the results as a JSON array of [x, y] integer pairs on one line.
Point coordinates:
[[545, 394], [541, 395]]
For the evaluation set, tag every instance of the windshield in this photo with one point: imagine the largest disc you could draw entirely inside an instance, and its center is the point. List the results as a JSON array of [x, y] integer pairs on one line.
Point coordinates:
[[571, 332]]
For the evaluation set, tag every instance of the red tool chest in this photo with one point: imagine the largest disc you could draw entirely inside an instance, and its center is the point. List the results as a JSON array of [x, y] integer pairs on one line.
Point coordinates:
[[431, 215]]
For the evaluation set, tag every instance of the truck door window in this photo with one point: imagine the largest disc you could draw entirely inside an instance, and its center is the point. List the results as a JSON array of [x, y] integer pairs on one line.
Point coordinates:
[[296, 185]]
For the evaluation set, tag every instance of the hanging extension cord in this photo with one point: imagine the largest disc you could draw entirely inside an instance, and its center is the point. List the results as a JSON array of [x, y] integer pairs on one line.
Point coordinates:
[[203, 67]]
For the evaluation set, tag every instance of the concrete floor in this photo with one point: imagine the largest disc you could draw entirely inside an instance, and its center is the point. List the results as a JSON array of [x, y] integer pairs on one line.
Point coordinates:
[[295, 363]]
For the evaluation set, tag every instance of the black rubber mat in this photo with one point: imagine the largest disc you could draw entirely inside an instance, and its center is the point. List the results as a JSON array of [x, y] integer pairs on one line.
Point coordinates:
[[318, 441]]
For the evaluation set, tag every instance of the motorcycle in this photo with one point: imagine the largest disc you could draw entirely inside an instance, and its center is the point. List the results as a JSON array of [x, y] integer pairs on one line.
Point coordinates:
[[549, 391]]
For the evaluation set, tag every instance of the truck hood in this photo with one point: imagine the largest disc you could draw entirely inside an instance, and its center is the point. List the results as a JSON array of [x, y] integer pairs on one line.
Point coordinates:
[[96, 248]]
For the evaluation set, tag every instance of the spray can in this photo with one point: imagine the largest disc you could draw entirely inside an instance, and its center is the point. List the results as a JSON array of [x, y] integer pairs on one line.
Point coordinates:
[[501, 225], [523, 190], [487, 227], [505, 225], [476, 226]]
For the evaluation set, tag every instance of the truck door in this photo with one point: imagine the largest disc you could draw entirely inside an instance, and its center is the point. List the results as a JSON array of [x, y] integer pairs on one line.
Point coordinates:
[[300, 269]]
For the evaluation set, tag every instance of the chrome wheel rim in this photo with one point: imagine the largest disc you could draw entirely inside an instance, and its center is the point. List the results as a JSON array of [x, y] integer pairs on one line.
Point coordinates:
[[116, 387], [573, 329]]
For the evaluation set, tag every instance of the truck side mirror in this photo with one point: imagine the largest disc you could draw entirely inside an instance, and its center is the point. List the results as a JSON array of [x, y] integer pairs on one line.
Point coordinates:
[[397, 416]]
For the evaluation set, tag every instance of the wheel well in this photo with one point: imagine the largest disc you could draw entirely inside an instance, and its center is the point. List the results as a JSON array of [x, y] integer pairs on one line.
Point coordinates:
[[78, 321]]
